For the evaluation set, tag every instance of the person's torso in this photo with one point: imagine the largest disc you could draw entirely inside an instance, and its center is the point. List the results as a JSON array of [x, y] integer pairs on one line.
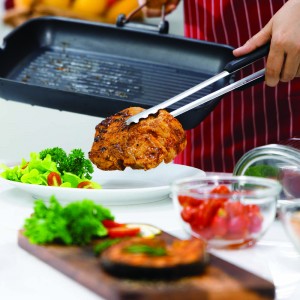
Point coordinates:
[[242, 120]]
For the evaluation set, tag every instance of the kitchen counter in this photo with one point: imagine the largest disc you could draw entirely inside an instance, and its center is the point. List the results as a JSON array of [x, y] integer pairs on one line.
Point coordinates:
[[23, 276], [25, 128]]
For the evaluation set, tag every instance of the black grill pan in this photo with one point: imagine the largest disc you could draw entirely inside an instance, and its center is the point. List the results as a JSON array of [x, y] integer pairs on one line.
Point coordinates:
[[100, 69]]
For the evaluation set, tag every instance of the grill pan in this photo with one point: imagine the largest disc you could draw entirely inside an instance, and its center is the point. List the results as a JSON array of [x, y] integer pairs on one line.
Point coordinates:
[[100, 69]]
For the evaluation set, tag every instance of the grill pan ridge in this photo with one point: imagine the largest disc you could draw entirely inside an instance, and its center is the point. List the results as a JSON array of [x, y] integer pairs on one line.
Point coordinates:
[[100, 69]]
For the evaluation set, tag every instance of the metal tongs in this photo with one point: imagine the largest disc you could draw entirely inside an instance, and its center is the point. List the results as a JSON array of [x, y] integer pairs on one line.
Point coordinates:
[[232, 67]]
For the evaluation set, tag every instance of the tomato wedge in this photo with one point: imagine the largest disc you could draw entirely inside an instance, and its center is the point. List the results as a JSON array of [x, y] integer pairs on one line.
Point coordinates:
[[123, 231], [54, 179], [85, 185], [111, 224]]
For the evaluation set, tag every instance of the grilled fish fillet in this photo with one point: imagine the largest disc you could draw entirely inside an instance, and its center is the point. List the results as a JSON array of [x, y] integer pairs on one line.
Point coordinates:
[[144, 145]]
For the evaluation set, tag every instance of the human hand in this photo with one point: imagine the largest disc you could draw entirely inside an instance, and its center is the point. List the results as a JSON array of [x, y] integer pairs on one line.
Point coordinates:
[[153, 8], [283, 30]]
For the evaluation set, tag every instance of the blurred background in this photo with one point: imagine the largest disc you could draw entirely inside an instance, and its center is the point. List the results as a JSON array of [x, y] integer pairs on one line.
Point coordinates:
[[105, 11], [25, 128]]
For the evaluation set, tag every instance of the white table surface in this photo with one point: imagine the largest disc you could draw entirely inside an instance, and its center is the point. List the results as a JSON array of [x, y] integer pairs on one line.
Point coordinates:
[[22, 276], [25, 128]]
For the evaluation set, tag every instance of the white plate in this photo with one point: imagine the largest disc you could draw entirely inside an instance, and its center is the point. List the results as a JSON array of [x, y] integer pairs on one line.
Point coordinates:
[[118, 187]]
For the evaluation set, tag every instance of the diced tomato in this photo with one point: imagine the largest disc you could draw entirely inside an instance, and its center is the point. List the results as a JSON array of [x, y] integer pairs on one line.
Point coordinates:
[[212, 206], [85, 185], [54, 179], [111, 224], [219, 217], [219, 226], [255, 222], [235, 209], [220, 189], [205, 233], [199, 216], [253, 208], [188, 213], [238, 227], [183, 200], [188, 200], [123, 231]]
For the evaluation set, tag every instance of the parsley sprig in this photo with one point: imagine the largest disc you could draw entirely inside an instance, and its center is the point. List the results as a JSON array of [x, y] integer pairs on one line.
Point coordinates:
[[75, 224], [74, 162]]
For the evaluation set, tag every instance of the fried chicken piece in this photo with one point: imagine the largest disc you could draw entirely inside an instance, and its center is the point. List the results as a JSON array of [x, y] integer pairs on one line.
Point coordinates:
[[144, 145]]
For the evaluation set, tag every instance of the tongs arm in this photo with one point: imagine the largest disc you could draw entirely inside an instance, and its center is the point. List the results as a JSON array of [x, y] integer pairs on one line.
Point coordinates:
[[232, 67], [218, 93]]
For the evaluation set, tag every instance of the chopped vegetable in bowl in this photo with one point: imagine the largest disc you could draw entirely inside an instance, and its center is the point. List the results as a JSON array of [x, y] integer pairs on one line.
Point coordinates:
[[53, 167]]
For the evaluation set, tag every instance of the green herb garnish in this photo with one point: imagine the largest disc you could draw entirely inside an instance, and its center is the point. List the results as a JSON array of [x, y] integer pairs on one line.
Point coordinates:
[[100, 247], [145, 249], [75, 224], [75, 162]]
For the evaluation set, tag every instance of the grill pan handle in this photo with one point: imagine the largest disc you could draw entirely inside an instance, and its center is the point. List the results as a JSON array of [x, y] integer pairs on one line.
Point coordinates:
[[163, 26], [247, 59]]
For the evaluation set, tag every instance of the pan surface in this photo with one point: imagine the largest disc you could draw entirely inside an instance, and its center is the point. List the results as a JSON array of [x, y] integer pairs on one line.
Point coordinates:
[[100, 69]]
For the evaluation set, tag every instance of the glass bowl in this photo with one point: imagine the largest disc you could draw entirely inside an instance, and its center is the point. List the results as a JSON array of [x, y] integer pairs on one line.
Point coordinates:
[[290, 217], [229, 212]]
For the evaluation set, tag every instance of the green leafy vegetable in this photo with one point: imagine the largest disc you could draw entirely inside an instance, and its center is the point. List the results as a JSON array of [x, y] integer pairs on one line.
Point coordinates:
[[75, 162], [265, 171], [34, 171], [76, 223], [145, 249], [72, 169]]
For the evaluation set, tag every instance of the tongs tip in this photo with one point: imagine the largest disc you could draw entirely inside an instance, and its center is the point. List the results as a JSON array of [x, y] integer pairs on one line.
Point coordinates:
[[142, 115]]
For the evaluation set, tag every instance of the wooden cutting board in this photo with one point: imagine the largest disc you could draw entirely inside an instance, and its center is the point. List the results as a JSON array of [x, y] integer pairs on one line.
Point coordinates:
[[221, 279]]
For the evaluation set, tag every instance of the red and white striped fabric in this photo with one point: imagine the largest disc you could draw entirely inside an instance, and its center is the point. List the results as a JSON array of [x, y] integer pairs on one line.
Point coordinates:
[[243, 120]]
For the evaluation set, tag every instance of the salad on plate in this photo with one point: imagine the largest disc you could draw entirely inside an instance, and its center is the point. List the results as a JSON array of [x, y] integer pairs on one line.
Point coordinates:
[[53, 167]]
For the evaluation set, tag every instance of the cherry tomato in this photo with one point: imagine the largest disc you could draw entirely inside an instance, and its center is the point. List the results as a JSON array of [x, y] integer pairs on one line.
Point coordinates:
[[123, 231], [111, 224], [85, 185], [54, 179]]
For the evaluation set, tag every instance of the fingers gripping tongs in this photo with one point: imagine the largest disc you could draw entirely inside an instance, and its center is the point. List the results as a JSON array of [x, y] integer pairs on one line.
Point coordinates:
[[232, 67]]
